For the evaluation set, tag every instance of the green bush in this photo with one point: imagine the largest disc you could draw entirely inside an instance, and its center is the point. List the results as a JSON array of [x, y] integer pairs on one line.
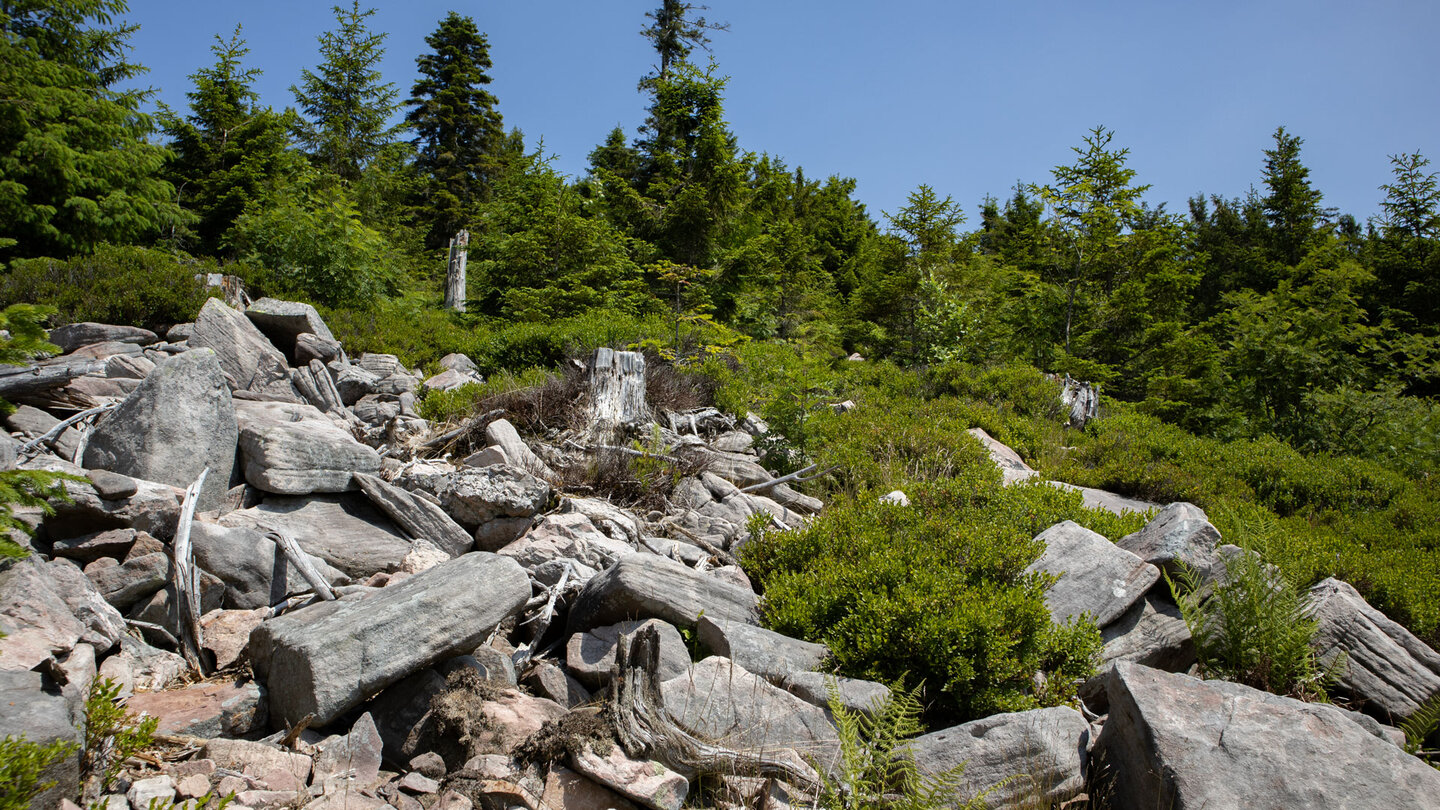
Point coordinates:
[[21, 764], [129, 285], [111, 733]]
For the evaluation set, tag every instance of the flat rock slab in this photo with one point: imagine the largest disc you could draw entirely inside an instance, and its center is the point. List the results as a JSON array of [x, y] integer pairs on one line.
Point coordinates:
[[326, 659], [1012, 758], [1095, 576], [566, 536], [1387, 668], [764, 652], [346, 530], [204, 710], [296, 450], [1180, 536], [103, 623], [1176, 741], [1152, 633], [590, 656], [72, 336], [154, 508], [647, 783], [855, 695], [1100, 499], [647, 586], [249, 359], [255, 574], [719, 700]]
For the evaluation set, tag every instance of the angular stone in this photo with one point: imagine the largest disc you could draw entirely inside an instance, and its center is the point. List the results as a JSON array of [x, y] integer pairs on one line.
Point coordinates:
[[103, 623], [417, 516], [502, 433], [179, 421], [193, 786], [855, 695], [112, 486], [204, 710], [1036, 756], [428, 764], [256, 759], [157, 791], [32, 423], [567, 790], [355, 383], [553, 683], [448, 380], [135, 579], [1180, 536], [249, 359], [313, 347], [476, 496], [764, 652], [328, 658], [128, 366], [1012, 467], [1100, 499], [1390, 671], [721, 701], [27, 707], [346, 531], [566, 537], [376, 410], [1095, 577], [591, 655], [296, 450], [648, 783], [34, 618], [355, 754], [282, 322], [418, 783], [254, 572], [1152, 633], [154, 508], [488, 457], [1186, 743], [226, 632], [646, 586], [138, 667], [161, 608]]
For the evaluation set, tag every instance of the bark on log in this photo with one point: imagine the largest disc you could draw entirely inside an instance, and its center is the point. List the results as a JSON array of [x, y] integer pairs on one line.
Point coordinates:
[[20, 381], [647, 732], [455, 273]]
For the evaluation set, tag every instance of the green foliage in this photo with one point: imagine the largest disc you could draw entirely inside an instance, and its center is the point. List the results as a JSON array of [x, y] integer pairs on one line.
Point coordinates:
[[120, 285], [111, 733], [874, 771], [1292, 205], [77, 167], [21, 764], [1419, 726], [26, 340], [1254, 628]]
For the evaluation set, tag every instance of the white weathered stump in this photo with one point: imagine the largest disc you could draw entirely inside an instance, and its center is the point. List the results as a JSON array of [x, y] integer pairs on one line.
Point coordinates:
[[455, 274]]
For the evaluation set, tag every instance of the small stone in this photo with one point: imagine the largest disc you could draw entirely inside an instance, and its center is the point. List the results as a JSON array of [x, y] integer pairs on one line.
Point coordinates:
[[156, 788], [112, 486], [417, 782], [193, 787], [429, 764]]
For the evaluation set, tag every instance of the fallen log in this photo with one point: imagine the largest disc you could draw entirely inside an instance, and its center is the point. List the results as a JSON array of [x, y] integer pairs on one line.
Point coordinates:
[[21, 381]]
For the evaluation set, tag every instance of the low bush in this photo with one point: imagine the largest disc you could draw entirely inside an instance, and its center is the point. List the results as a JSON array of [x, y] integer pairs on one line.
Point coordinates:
[[132, 286], [21, 764]]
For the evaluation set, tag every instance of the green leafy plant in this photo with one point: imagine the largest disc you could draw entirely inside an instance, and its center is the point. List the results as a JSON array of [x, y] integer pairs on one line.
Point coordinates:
[[21, 764], [1419, 726], [1254, 628], [875, 770], [111, 733]]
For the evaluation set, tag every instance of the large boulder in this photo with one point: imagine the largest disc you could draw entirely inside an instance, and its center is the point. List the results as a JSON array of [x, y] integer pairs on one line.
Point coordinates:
[[1012, 760], [229, 708], [103, 623], [326, 659], [35, 621], [1176, 741], [249, 359], [344, 530], [1387, 669], [503, 434], [1181, 536], [474, 496], [283, 322], [1095, 577], [246, 561], [180, 421], [72, 336], [764, 652], [647, 586], [35, 709], [296, 450], [590, 656]]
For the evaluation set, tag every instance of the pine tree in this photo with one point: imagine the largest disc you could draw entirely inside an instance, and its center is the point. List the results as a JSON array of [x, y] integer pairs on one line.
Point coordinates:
[[346, 106], [1292, 206], [459, 134], [229, 148], [76, 165], [675, 34]]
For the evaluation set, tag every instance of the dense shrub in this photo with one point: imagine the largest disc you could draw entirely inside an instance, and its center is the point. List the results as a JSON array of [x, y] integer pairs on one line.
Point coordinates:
[[133, 286]]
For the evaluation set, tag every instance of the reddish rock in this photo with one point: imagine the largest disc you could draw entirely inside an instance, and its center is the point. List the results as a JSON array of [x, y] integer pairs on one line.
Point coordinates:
[[226, 708]]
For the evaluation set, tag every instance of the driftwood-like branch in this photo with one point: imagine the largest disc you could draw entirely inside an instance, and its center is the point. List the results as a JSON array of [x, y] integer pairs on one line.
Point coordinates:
[[725, 557], [154, 628], [647, 732], [543, 618], [186, 578], [477, 423], [629, 451], [798, 475], [53, 433], [20, 381], [286, 545]]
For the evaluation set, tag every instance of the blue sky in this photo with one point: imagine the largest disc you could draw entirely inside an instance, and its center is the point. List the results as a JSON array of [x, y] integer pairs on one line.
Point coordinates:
[[967, 97]]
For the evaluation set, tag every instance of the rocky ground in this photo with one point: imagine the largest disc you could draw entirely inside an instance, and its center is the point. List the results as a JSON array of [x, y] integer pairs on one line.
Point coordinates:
[[347, 613]]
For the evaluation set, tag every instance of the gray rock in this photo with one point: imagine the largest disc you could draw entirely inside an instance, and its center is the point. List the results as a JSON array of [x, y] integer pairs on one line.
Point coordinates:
[[450, 379], [326, 659], [112, 486], [476, 496], [74, 335], [245, 560], [296, 450], [764, 652], [1109, 501], [161, 608], [854, 694], [1095, 577], [1390, 671], [257, 758], [354, 756], [34, 618], [566, 536], [32, 423], [135, 579], [355, 383], [646, 782], [546, 680], [375, 410], [1175, 741], [156, 791], [419, 517], [103, 623], [719, 700], [646, 586], [344, 530], [140, 667], [153, 509], [129, 366], [87, 548], [488, 457], [496, 534], [737, 468], [249, 359], [1012, 467], [1040, 752], [459, 362], [284, 321], [591, 655], [180, 421], [502, 433], [1180, 536], [1152, 633], [313, 347]]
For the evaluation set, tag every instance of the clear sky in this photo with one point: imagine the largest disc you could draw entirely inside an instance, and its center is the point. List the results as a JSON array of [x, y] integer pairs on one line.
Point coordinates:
[[968, 97]]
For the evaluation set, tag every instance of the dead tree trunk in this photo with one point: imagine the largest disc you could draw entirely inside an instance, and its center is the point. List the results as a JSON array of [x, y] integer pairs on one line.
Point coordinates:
[[455, 275], [186, 580], [617, 393]]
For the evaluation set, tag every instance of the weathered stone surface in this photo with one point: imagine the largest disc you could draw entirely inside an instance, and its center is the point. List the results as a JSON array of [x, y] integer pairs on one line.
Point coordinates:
[[619, 524], [157, 791], [257, 759], [1387, 669], [569, 536], [401, 712], [1187, 743], [1180, 536], [855, 695], [416, 515], [34, 618], [28, 707], [1041, 753], [180, 421], [138, 667], [721, 701], [449, 379], [764, 652], [135, 579], [345, 530], [567, 790], [254, 572], [103, 623], [1109, 501], [313, 347], [646, 586], [72, 336], [296, 450], [32, 423], [282, 322], [1152, 633], [553, 683], [355, 383], [161, 608], [591, 655], [356, 755], [226, 632], [249, 359], [154, 508], [737, 468], [112, 486], [87, 548], [649, 783], [325, 659], [502, 433], [1095, 577], [1012, 467], [214, 709], [476, 496], [129, 366]]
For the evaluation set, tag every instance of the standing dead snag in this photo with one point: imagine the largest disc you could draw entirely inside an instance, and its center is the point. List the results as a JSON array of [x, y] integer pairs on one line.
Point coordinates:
[[617, 394], [455, 273]]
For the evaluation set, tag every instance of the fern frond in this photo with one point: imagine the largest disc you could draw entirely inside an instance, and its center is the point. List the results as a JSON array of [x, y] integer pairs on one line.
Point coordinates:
[[1420, 725]]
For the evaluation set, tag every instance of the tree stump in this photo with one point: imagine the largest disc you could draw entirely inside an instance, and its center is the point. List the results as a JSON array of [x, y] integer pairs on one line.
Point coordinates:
[[455, 274], [617, 393]]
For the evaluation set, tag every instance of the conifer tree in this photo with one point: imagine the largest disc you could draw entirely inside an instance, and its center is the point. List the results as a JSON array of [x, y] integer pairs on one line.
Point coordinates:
[[459, 136], [1292, 205], [675, 33], [346, 107], [76, 165]]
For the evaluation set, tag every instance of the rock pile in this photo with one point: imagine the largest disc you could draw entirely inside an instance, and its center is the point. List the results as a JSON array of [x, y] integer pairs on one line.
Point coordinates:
[[380, 628]]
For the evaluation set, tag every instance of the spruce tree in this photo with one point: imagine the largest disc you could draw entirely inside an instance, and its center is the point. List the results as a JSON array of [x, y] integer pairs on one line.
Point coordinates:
[[1292, 206], [675, 34], [76, 165], [346, 106], [459, 137]]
